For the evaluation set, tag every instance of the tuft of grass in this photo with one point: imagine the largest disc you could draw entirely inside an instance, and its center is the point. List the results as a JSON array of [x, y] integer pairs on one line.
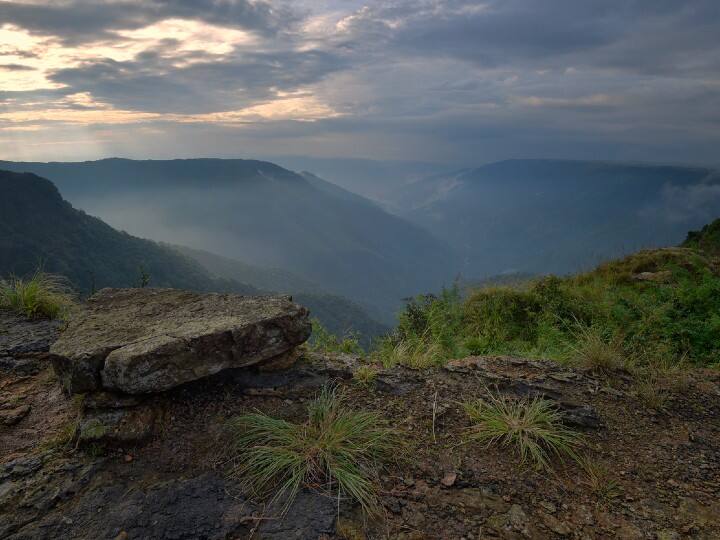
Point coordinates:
[[413, 353], [598, 479], [41, 296], [365, 375], [337, 450], [649, 392], [532, 427], [594, 351]]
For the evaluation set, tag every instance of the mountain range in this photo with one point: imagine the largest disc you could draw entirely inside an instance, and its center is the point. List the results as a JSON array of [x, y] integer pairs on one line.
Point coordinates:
[[554, 216], [38, 228], [260, 213], [255, 223]]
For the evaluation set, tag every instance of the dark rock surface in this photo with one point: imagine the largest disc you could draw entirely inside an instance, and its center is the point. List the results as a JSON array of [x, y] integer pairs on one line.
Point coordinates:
[[75, 500], [150, 340], [24, 343]]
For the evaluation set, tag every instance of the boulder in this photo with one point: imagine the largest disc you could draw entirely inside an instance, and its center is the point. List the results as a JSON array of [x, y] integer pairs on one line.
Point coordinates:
[[140, 341]]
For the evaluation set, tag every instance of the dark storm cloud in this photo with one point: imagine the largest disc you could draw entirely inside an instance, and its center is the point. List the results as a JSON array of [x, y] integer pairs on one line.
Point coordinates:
[[652, 36], [15, 67], [454, 80], [79, 21], [149, 83]]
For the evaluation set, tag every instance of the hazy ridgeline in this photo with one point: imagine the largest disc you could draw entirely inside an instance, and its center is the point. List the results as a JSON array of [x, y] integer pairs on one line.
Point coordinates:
[[259, 213], [420, 233]]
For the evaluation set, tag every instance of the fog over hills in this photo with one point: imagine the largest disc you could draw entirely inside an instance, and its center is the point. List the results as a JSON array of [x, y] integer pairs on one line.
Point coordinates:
[[375, 179], [527, 216], [543, 216], [260, 213], [40, 229]]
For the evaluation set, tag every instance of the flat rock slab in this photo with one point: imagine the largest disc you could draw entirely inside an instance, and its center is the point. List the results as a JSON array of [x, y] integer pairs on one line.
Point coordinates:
[[141, 341]]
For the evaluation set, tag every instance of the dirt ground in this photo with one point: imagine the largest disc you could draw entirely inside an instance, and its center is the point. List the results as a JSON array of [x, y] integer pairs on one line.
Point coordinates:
[[647, 473]]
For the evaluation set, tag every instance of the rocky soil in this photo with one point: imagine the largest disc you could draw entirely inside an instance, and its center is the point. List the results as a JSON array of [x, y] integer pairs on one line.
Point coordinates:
[[650, 473]]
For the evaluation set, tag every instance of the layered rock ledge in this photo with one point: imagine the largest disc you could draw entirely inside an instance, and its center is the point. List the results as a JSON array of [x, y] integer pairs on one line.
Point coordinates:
[[140, 341]]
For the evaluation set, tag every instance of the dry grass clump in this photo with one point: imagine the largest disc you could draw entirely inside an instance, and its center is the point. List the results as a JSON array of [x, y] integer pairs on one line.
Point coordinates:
[[336, 450], [43, 295], [532, 427], [365, 375], [597, 353], [415, 354], [598, 479], [651, 393]]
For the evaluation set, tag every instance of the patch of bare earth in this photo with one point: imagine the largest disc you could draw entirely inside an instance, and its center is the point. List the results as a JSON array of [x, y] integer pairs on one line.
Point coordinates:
[[647, 474]]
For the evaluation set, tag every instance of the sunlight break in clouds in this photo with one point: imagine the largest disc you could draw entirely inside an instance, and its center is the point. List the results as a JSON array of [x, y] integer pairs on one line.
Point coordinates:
[[460, 81], [31, 61]]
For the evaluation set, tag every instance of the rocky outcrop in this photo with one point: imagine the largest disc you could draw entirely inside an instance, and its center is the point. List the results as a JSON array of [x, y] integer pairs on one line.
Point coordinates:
[[62, 498], [140, 341], [24, 343], [24, 346]]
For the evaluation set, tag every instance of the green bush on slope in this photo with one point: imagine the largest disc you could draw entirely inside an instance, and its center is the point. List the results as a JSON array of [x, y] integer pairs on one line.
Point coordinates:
[[323, 340], [650, 308]]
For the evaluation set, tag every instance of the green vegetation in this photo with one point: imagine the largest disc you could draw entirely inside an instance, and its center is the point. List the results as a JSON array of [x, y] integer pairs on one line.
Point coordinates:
[[650, 392], [653, 309], [597, 352], [144, 277], [336, 450], [428, 333], [598, 479], [42, 295], [365, 375], [706, 239], [533, 427], [322, 340]]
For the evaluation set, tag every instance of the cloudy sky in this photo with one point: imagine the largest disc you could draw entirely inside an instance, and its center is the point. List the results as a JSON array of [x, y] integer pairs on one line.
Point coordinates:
[[434, 80]]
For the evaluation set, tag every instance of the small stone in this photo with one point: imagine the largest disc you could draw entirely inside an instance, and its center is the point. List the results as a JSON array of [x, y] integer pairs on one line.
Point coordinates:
[[663, 276], [449, 479], [555, 525], [517, 517]]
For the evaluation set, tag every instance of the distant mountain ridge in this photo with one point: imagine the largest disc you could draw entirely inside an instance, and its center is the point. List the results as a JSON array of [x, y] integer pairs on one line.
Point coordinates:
[[558, 216], [39, 228], [257, 211]]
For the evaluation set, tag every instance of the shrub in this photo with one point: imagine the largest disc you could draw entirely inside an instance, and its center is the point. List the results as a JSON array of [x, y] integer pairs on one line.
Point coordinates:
[[336, 450], [323, 341], [533, 427], [432, 319], [501, 314], [43, 295], [624, 322]]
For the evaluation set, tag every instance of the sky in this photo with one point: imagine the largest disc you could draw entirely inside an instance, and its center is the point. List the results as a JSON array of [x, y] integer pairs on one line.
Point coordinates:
[[450, 81]]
